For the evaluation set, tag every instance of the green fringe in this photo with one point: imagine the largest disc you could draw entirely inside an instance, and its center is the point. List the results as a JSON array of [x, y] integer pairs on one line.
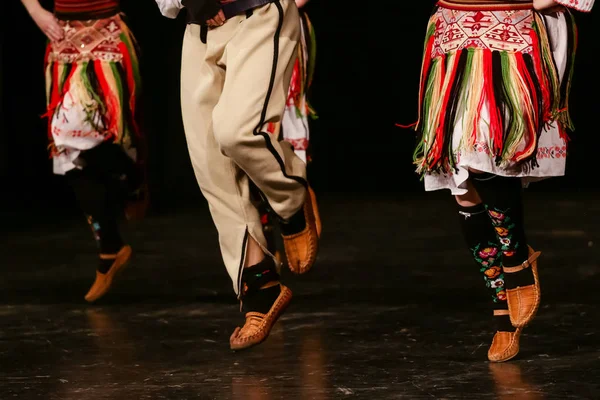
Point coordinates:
[[547, 60], [419, 152], [565, 116], [464, 90], [119, 84], [514, 132], [428, 35]]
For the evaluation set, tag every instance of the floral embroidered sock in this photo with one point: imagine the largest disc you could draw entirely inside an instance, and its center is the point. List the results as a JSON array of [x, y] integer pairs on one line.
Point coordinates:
[[483, 245], [504, 202]]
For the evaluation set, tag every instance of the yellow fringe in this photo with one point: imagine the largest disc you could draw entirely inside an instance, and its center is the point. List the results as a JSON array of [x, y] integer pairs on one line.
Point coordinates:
[[472, 96], [49, 82], [80, 91]]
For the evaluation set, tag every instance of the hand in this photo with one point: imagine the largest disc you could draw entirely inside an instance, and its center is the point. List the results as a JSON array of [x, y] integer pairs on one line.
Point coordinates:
[[546, 5], [48, 23], [217, 20], [301, 3]]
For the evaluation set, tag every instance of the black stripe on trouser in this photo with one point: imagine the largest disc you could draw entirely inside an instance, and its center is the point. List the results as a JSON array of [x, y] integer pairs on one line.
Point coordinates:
[[241, 268], [263, 115], [257, 131]]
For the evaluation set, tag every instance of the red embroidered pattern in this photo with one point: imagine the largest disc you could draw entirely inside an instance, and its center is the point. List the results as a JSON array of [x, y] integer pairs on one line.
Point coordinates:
[[494, 30], [579, 5], [89, 40], [542, 152], [298, 144]]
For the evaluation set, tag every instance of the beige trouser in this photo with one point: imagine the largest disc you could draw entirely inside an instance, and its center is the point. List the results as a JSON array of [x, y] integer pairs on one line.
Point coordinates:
[[233, 87]]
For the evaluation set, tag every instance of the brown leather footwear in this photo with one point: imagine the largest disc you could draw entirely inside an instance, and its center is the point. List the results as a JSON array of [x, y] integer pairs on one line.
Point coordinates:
[[103, 282], [505, 345], [258, 326], [524, 301], [301, 248]]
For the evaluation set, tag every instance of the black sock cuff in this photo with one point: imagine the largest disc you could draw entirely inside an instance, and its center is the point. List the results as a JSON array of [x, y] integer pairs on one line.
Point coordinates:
[[256, 276], [296, 224], [476, 209]]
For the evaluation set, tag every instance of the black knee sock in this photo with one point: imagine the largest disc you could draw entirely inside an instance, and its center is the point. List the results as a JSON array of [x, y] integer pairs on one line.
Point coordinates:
[[504, 201], [98, 203], [254, 298], [484, 247]]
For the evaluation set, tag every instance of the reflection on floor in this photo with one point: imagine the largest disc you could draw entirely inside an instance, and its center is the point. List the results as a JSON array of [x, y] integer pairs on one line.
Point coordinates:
[[394, 309]]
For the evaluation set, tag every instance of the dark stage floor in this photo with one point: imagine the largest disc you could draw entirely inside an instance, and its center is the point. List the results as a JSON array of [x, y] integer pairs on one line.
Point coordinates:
[[393, 309]]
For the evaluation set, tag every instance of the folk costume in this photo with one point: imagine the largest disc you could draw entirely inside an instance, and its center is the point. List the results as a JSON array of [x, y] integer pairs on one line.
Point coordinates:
[[494, 116], [235, 82], [95, 139]]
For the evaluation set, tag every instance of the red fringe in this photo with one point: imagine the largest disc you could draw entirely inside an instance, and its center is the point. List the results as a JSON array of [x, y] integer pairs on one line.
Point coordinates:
[[496, 121], [47, 56], [426, 64], [407, 126], [55, 97], [295, 85], [439, 133], [110, 100]]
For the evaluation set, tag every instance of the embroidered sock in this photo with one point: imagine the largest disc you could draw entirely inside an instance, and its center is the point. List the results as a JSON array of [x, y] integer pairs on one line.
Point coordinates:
[[504, 202], [255, 297], [483, 245]]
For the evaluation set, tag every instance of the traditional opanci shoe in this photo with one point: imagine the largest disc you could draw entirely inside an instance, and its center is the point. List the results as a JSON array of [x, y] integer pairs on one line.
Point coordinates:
[[301, 248], [505, 345], [103, 282], [258, 326], [524, 301]]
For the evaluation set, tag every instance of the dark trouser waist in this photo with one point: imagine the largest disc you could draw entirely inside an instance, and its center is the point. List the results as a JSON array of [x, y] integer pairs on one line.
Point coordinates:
[[241, 6], [236, 8]]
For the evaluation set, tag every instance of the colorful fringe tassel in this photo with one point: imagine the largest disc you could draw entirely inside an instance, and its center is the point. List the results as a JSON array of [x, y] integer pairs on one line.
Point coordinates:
[[521, 91], [108, 91]]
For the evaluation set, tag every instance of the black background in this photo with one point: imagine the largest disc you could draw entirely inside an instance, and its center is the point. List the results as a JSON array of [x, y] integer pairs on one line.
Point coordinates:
[[367, 76]]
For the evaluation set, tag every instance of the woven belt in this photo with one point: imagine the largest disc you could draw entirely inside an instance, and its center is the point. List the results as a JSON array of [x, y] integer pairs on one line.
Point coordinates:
[[483, 5], [85, 15], [486, 2], [241, 6]]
